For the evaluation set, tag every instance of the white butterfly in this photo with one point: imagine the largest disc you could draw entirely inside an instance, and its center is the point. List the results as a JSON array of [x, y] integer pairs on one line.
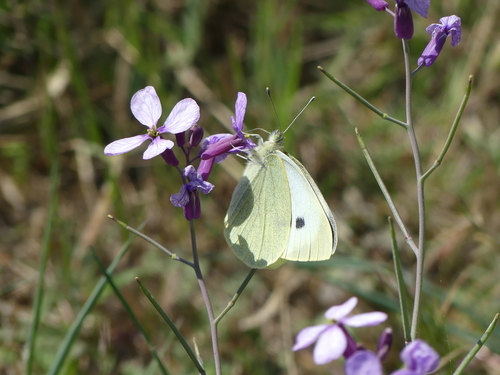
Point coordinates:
[[277, 212]]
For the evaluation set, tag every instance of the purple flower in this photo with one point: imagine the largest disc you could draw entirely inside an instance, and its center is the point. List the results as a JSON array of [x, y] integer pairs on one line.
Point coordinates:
[[219, 145], [419, 359], [146, 107], [363, 362], [403, 21], [331, 340], [187, 197], [439, 33]]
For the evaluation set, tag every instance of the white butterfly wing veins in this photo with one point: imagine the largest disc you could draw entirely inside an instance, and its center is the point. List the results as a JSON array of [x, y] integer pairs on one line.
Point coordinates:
[[277, 212]]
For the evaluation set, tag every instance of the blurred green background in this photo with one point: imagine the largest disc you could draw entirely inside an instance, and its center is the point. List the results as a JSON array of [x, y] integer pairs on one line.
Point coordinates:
[[67, 72]]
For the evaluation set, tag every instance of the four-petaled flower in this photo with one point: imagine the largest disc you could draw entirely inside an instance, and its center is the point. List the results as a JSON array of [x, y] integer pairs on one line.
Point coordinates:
[[439, 32], [146, 107], [331, 340]]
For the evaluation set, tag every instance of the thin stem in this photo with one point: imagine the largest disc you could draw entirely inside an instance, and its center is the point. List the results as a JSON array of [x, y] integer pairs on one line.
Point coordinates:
[[130, 313], [385, 192], [206, 298], [452, 132], [476, 347], [44, 257], [403, 301], [172, 326], [151, 241], [362, 100], [236, 296], [420, 193]]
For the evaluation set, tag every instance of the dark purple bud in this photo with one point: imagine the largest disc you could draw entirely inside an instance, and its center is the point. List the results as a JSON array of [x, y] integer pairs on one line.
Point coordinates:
[[169, 157], [196, 135], [192, 211], [403, 21], [378, 4], [180, 139], [384, 344]]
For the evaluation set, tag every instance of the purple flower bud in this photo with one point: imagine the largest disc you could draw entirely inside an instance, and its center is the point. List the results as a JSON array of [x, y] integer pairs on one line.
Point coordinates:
[[403, 21], [169, 157], [180, 139], [384, 344], [378, 4], [195, 137], [439, 32]]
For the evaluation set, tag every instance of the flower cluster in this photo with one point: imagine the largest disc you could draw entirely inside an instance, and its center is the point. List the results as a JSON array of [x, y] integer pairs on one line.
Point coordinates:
[[146, 108], [333, 341], [403, 26]]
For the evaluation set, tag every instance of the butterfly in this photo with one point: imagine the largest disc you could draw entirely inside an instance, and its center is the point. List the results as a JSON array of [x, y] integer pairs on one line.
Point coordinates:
[[277, 212]]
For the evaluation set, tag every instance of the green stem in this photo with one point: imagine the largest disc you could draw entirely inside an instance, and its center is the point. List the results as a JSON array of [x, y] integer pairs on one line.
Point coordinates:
[[44, 256], [236, 296], [476, 347], [362, 100], [172, 326], [130, 313], [403, 301], [452, 132], [206, 298]]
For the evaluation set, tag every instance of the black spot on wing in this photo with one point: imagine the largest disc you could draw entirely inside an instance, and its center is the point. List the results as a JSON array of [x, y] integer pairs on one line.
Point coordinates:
[[300, 222]]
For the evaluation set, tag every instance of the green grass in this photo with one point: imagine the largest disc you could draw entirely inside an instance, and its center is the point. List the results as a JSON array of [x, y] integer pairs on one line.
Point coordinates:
[[67, 73]]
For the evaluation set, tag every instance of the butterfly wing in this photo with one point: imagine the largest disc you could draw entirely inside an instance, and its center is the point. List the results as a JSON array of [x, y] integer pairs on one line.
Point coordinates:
[[313, 232], [257, 224]]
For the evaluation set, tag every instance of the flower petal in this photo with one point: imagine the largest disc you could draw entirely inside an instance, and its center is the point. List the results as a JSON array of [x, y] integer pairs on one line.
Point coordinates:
[[180, 199], [330, 346], [239, 111], [453, 27], [340, 311], [363, 362], [419, 6], [146, 106], [184, 115], [308, 336], [124, 145], [365, 320], [157, 146]]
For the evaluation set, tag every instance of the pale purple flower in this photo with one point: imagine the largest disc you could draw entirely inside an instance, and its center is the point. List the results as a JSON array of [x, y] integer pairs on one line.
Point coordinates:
[[330, 339], [215, 148], [219, 145], [439, 32], [146, 107], [363, 362], [419, 359]]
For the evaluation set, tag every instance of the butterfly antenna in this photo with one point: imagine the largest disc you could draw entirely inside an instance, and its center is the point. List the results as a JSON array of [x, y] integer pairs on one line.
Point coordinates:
[[303, 109], [268, 92]]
